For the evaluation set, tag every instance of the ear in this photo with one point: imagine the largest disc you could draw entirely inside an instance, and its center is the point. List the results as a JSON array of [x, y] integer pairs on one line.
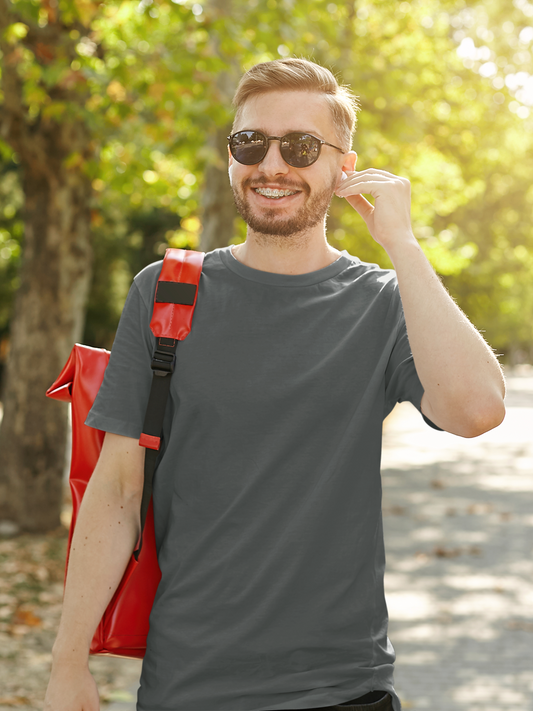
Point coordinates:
[[350, 160], [230, 165]]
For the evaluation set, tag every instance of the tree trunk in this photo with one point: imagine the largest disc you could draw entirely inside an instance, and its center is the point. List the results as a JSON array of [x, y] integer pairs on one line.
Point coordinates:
[[219, 212], [47, 321], [218, 209], [55, 274]]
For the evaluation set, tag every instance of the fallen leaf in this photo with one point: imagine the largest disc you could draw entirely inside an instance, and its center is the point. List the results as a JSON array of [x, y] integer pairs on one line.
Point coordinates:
[[394, 510], [14, 700], [442, 552], [26, 618]]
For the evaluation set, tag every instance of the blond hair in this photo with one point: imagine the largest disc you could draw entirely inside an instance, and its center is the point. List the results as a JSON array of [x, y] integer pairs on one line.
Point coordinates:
[[294, 74]]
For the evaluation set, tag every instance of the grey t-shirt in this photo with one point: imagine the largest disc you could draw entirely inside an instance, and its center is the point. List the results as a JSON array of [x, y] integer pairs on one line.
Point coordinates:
[[267, 497]]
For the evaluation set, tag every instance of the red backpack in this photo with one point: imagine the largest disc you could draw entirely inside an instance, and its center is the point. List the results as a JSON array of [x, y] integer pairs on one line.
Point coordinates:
[[123, 628]]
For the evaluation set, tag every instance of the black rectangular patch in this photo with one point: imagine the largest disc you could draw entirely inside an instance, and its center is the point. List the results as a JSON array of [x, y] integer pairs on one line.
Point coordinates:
[[174, 292]]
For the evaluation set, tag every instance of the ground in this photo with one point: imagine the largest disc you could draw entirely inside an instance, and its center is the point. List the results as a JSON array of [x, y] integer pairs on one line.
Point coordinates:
[[459, 539], [459, 583], [31, 587]]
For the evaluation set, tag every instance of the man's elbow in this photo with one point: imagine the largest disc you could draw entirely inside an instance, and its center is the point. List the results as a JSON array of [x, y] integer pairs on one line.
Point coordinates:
[[483, 418]]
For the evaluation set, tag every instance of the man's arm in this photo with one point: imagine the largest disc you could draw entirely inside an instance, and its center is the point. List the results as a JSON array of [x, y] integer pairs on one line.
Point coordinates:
[[106, 532], [463, 382]]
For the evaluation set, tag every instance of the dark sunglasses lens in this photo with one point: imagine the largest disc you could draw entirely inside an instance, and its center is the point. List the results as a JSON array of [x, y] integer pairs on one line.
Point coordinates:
[[300, 149], [248, 147]]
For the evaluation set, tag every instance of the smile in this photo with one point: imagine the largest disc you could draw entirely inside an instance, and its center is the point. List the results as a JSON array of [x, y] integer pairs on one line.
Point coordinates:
[[274, 193]]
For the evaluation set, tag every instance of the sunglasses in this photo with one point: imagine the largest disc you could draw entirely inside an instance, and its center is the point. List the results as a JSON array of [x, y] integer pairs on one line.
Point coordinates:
[[297, 149]]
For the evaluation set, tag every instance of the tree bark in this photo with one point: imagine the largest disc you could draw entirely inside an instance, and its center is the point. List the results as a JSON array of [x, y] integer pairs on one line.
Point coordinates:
[[50, 302], [47, 321], [218, 208]]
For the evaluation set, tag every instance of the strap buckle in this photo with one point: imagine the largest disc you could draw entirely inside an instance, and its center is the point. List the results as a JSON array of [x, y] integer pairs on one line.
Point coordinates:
[[163, 363]]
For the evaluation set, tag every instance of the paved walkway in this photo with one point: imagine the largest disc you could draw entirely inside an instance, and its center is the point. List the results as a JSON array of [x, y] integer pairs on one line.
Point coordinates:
[[459, 537], [458, 519]]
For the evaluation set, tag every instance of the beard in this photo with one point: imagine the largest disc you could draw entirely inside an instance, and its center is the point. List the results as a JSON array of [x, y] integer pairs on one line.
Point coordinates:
[[275, 228]]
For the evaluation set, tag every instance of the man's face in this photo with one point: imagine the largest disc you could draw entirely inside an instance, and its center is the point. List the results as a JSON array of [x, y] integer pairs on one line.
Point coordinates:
[[277, 113]]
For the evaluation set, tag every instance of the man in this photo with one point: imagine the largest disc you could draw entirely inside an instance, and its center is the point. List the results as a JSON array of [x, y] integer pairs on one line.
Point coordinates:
[[267, 498]]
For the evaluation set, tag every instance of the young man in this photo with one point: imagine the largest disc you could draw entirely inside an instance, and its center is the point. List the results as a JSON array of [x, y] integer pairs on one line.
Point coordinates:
[[267, 498]]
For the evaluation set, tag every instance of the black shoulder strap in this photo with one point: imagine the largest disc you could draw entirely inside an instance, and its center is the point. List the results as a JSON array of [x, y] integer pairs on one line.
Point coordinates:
[[163, 364]]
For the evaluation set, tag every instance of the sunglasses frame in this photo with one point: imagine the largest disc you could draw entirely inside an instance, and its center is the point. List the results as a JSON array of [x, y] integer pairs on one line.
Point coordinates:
[[280, 138]]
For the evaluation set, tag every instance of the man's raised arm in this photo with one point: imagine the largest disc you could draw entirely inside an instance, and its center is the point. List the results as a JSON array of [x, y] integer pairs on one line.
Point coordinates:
[[462, 379]]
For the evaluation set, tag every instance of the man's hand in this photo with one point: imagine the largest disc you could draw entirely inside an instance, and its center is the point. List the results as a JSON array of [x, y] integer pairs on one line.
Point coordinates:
[[389, 219], [71, 688]]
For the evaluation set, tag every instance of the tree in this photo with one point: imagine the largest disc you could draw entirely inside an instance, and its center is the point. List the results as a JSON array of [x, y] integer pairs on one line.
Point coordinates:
[[63, 100], [55, 271]]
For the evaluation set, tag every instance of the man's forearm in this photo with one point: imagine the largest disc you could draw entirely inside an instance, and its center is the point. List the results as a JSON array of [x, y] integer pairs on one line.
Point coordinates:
[[463, 382], [106, 532]]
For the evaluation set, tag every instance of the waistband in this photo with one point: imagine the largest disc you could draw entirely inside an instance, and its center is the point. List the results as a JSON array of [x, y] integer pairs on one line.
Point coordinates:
[[373, 701]]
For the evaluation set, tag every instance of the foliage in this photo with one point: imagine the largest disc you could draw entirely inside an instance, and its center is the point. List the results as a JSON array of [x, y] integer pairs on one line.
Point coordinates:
[[11, 231], [154, 75]]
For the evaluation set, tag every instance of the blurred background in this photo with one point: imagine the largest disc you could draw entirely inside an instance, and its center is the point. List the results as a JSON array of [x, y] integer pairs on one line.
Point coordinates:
[[113, 128], [113, 125]]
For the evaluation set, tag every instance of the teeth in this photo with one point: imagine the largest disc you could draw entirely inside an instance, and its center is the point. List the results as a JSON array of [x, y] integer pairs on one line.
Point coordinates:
[[273, 193]]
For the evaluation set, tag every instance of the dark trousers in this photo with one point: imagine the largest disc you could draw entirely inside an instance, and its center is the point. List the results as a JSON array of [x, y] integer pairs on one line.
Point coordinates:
[[368, 702]]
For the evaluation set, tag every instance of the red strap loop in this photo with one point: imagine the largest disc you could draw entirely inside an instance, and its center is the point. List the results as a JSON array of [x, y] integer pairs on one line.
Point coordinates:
[[149, 441], [175, 320]]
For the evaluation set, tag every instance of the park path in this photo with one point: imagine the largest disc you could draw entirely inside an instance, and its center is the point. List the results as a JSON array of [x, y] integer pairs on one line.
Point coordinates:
[[458, 518]]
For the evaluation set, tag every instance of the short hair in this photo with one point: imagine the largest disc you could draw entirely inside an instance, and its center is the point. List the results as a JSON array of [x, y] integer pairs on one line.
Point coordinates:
[[293, 74]]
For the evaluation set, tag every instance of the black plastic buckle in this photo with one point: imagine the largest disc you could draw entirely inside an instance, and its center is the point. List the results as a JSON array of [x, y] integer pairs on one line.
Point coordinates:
[[163, 363]]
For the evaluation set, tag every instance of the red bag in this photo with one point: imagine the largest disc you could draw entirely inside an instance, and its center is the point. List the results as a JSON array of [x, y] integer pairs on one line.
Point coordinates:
[[123, 628]]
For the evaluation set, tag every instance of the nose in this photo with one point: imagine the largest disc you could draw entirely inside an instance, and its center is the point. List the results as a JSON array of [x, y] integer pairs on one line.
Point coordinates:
[[273, 163]]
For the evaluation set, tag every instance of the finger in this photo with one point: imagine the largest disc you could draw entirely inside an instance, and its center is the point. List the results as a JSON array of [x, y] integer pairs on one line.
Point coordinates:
[[359, 180], [376, 171], [361, 205], [366, 186], [369, 176]]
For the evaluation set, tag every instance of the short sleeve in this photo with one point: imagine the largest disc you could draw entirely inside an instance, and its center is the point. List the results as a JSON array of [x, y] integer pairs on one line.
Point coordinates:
[[120, 404], [401, 379]]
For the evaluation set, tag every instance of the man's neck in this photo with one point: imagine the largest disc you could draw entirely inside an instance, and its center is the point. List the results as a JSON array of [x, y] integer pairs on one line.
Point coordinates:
[[299, 257]]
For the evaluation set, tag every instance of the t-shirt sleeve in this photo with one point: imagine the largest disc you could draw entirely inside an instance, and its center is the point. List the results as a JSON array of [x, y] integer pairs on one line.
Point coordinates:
[[401, 379], [120, 404]]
